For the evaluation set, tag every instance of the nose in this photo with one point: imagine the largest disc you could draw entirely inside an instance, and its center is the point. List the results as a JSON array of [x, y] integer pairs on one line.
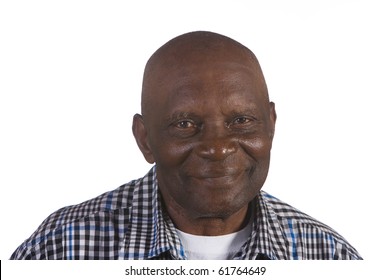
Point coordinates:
[[216, 147]]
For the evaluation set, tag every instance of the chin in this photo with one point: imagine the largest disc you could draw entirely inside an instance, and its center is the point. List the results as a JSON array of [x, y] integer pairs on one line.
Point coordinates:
[[219, 209]]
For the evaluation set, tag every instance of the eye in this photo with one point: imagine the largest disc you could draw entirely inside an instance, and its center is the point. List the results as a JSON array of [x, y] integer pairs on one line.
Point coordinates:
[[184, 128], [185, 124], [241, 120]]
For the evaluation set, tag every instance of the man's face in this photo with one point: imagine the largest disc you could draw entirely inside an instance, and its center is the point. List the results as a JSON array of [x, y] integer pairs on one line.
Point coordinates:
[[210, 132]]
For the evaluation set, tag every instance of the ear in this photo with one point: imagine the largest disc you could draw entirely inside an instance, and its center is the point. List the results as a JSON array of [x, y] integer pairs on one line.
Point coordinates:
[[140, 134], [273, 118]]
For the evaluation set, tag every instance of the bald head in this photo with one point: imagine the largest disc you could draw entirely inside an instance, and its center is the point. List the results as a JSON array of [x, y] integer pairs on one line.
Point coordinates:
[[195, 49]]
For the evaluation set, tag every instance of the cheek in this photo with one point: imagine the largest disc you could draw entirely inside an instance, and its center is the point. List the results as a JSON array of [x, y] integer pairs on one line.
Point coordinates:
[[259, 151], [170, 153], [257, 147]]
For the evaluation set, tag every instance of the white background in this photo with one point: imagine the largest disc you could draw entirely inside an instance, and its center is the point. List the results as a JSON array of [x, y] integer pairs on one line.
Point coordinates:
[[70, 81]]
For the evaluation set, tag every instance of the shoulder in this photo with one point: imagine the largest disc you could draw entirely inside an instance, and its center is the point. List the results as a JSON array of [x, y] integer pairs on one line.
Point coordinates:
[[103, 209], [285, 211], [308, 236], [120, 198]]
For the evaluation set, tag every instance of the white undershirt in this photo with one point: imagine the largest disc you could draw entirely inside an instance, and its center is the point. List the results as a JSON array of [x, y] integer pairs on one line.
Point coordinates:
[[222, 247]]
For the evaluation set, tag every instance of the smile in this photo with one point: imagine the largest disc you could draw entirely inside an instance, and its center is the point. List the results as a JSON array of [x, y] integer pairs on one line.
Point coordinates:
[[218, 178]]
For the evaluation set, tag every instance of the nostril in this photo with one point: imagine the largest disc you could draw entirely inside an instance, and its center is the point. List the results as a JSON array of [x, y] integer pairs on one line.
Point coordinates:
[[216, 151]]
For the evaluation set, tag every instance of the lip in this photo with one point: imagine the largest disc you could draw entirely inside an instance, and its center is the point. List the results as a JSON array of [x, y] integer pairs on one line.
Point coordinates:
[[221, 177], [214, 176]]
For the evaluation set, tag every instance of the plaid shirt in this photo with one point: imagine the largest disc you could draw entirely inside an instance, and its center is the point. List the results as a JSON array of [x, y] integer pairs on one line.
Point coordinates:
[[130, 223]]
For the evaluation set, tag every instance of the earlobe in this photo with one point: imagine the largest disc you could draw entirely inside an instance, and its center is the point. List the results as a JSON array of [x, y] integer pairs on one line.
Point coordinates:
[[140, 134]]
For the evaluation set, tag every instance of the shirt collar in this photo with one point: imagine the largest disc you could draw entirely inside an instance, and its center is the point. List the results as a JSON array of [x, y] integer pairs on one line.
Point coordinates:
[[150, 232], [260, 244]]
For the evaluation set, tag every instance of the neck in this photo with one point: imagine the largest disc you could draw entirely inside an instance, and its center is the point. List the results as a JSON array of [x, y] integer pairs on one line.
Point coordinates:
[[209, 225]]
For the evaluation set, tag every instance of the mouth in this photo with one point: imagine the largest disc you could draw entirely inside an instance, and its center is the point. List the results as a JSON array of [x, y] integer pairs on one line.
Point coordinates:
[[215, 173], [216, 178]]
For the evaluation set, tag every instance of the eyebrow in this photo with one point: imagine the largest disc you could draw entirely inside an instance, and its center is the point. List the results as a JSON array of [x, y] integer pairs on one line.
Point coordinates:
[[180, 115], [250, 110]]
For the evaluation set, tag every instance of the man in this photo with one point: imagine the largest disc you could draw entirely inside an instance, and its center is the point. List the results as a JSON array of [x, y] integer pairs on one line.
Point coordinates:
[[208, 126]]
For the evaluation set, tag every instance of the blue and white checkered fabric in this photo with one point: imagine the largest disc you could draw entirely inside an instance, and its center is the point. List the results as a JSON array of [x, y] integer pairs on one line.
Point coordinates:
[[130, 223]]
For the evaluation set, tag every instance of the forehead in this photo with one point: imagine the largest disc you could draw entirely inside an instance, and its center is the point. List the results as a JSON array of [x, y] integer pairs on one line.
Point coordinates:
[[215, 81], [224, 87]]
